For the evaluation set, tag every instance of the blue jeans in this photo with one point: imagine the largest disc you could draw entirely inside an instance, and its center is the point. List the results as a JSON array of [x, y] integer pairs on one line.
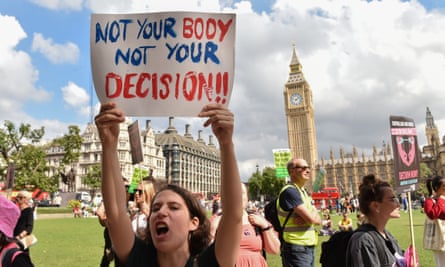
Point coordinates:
[[297, 255]]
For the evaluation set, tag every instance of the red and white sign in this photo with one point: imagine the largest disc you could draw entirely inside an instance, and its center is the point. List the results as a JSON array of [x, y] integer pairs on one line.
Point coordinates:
[[163, 64]]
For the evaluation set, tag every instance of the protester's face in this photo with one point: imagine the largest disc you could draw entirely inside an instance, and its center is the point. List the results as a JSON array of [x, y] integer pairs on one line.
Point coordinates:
[[441, 189], [390, 204], [139, 194], [170, 222], [20, 199], [301, 170]]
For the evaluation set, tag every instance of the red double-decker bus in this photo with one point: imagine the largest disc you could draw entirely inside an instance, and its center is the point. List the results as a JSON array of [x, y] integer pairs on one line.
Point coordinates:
[[328, 194]]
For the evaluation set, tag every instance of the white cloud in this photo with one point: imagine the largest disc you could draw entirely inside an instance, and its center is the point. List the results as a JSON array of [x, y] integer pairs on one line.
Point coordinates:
[[56, 53], [17, 74], [152, 6], [76, 97], [361, 70], [60, 4], [364, 61]]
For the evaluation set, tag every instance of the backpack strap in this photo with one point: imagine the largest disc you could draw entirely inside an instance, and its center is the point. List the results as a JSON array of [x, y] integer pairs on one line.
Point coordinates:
[[278, 209]]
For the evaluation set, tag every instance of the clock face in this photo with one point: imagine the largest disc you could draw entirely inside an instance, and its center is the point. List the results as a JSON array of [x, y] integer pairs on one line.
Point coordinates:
[[296, 99]]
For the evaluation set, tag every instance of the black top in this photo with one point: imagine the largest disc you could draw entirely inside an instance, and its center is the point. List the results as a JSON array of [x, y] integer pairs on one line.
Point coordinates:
[[25, 222], [144, 255], [363, 252]]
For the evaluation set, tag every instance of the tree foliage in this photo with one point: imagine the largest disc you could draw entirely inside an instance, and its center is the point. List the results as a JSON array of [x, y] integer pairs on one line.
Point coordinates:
[[17, 147], [266, 183], [93, 177], [71, 144], [12, 139], [425, 172]]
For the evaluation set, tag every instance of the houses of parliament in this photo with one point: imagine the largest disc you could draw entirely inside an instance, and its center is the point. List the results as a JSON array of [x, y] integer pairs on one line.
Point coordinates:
[[345, 170], [193, 163]]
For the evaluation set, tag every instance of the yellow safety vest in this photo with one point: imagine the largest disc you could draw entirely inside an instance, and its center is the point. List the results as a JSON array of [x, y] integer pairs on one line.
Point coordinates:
[[298, 234]]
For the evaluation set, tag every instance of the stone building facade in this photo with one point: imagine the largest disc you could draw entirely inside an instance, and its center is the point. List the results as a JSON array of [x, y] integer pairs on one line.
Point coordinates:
[[170, 156], [346, 169]]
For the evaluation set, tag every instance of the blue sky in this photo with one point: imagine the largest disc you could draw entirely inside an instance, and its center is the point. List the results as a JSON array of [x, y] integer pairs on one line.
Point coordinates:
[[364, 60]]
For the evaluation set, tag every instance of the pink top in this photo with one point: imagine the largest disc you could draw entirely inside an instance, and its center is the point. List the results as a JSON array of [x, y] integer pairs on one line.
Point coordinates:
[[435, 208], [250, 254]]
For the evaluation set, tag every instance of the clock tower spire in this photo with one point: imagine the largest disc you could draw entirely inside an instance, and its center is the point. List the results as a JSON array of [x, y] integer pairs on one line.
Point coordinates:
[[299, 112]]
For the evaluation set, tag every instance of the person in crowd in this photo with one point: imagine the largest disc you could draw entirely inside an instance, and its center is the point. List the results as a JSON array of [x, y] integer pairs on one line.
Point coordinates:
[[179, 231], [299, 235], [143, 196], [25, 224], [76, 211], [9, 249], [326, 225], [378, 203], [360, 218], [108, 255], [434, 208], [345, 224], [258, 237], [422, 202]]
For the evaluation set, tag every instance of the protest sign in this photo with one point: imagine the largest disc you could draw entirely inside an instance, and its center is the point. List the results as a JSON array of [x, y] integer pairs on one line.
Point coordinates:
[[281, 157], [406, 153], [165, 63]]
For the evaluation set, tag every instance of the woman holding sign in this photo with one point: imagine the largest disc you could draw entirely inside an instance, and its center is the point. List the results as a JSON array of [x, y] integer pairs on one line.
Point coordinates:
[[178, 232]]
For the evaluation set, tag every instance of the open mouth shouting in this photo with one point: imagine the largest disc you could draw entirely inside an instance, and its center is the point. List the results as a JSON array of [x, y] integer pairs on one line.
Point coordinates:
[[161, 229]]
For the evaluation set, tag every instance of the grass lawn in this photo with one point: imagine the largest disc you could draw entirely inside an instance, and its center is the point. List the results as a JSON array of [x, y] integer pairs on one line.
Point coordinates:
[[399, 228], [79, 242]]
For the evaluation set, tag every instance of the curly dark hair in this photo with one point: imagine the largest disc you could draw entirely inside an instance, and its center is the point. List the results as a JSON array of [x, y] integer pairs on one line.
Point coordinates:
[[371, 189], [200, 238]]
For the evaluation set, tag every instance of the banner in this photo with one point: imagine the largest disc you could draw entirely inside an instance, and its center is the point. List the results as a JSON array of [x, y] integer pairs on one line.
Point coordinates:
[[138, 175], [281, 157], [135, 143], [165, 63], [319, 180], [406, 153]]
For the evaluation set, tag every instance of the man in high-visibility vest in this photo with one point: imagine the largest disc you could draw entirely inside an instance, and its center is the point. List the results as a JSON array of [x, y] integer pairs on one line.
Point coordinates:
[[299, 235]]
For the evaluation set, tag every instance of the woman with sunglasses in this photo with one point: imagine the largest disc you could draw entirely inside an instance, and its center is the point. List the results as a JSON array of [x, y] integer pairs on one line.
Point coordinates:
[[372, 245], [143, 196], [25, 223], [179, 231]]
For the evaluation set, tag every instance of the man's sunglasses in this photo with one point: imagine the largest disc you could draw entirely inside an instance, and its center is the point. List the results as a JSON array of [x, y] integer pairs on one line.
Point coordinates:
[[302, 167]]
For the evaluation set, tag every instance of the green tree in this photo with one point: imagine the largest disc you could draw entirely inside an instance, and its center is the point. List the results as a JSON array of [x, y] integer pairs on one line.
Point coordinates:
[[425, 172], [70, 144], [31, 169], [16, 147], [93, 177], [265, 183]]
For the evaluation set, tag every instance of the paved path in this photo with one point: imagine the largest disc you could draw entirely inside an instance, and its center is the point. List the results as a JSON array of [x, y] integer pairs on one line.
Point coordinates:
[[57, 216]]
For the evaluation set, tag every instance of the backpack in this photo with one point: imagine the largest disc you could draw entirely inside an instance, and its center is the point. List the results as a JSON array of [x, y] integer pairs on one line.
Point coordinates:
[[271, 214], [333, 251], [10, 255]]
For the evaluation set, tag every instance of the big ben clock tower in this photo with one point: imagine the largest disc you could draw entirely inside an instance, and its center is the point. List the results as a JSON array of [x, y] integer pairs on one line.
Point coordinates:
[[300, 115]]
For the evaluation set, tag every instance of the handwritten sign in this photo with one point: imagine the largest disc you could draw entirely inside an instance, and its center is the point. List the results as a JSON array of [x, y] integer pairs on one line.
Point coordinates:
[[281, 157], [163, 64]]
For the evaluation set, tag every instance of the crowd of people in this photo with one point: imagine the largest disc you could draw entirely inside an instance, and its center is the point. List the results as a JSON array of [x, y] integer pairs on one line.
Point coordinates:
[[16, 223], [166, 225]]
